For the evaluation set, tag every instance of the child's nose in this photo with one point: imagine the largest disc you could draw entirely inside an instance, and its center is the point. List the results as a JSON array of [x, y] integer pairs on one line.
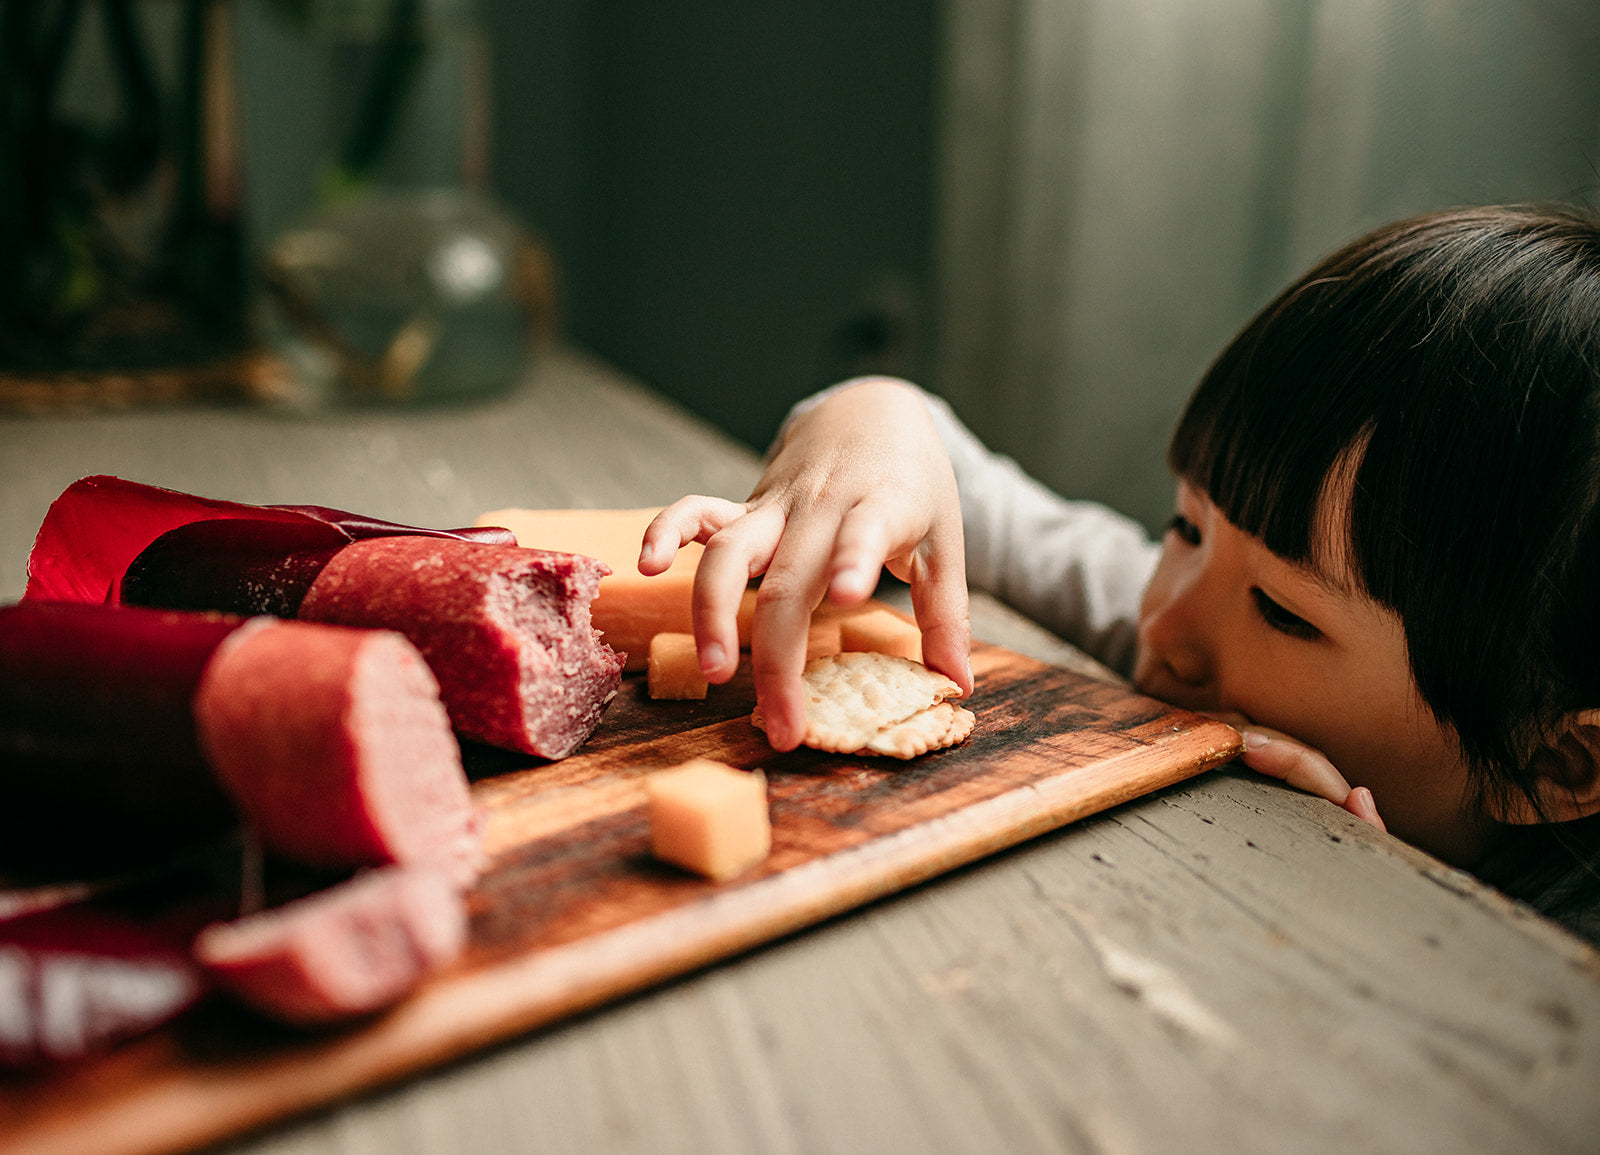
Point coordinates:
[[1176, 635]]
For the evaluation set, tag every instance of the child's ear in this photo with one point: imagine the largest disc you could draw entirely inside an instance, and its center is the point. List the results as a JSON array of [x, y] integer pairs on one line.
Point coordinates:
[[1568, 775]]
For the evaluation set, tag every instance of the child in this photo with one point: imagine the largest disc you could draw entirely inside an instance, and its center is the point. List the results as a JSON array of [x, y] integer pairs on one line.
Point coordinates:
[[1384, 565]]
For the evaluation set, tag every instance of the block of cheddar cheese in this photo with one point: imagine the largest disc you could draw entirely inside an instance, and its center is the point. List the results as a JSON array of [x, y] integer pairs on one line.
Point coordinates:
[[880, 631], [674, 671], [630, 608], [710, 818]]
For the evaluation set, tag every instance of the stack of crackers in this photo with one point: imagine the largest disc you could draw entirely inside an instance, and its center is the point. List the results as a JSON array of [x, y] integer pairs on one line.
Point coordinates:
[[872, 703]]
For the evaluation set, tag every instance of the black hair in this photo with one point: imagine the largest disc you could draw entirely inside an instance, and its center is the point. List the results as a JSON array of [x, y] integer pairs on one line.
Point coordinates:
[[1454, 360]]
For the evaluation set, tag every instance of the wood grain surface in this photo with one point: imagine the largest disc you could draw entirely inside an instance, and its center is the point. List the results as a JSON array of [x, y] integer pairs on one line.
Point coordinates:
[[573, 911]]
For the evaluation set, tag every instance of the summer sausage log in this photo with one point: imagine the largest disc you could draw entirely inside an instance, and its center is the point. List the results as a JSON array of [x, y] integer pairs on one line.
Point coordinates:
[[331, 742], [348, 950], [506, 630], [236, 566], [78, 978]]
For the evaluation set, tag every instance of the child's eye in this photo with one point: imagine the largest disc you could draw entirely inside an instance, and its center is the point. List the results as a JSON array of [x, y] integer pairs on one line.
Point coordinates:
[[1282, 620], [1186, 530]]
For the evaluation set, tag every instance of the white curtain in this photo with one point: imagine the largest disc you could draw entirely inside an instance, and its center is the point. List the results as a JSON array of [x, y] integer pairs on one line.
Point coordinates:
[[1125, 181]]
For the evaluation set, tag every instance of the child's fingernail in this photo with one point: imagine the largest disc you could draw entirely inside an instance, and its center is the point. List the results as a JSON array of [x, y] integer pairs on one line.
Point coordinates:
[[712, 656], [1255, 739]]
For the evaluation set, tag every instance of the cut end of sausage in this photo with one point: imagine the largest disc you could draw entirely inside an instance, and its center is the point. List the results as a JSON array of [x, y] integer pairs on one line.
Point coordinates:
[[347, 951], [336, 748], [507, 631], [566, 676], [410, 771]]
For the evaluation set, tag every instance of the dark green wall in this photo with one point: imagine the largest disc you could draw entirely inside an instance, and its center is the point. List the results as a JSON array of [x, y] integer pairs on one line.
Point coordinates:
[[734, 191]]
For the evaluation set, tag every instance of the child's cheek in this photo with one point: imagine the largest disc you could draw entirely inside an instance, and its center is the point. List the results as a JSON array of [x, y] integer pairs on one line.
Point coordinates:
[[1158, 590]]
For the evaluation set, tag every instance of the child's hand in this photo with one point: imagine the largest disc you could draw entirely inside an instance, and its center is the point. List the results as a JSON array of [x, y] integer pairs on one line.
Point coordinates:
[[1279, 756], [859, 483]]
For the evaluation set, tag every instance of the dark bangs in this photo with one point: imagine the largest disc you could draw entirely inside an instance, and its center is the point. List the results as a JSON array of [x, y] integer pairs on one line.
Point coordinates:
[[1460, 354]]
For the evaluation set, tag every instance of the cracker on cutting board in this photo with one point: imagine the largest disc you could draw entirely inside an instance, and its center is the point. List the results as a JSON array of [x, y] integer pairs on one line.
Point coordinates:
[[940, 725], [872, 703]]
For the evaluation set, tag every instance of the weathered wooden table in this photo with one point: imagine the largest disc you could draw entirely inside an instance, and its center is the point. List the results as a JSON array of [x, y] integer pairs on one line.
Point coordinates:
[[1224, 966]]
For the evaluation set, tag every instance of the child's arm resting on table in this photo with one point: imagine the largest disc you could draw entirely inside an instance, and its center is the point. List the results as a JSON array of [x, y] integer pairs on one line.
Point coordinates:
[[859, 482]]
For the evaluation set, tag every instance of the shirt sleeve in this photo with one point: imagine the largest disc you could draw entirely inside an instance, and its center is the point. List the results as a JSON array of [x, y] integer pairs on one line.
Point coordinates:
[[1076, 567]]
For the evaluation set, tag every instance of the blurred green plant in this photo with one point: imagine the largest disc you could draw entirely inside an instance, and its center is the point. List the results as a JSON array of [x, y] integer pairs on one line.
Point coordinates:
[[400, 52], [75, 292]]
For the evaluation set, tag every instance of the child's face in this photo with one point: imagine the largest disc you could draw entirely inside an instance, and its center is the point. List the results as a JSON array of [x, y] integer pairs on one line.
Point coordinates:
[[1227, 626]]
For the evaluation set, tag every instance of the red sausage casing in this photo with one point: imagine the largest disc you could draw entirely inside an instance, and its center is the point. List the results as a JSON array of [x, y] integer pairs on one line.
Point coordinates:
[[99, 758]]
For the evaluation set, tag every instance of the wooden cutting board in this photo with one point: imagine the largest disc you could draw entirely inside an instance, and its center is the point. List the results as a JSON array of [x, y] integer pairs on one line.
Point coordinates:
[[573, 911]]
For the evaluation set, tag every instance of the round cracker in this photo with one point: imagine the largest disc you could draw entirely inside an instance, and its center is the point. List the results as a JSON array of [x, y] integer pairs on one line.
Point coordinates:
[[940, 725], [872, 703]]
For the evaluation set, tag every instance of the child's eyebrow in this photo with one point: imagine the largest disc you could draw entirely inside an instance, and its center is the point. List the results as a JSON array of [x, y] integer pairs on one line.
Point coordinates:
[[1334, 580]]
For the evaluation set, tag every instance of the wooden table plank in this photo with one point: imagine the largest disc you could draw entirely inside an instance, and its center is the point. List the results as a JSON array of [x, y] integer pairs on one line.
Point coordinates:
[[1203, 970]]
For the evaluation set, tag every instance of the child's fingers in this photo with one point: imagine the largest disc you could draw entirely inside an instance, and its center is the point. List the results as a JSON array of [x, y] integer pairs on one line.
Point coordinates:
[[733, 555], [794, 584], [692, 518], [1279, 756], [859, 551], [939, 600], [1361, 804], [877, 529], [946, 634]]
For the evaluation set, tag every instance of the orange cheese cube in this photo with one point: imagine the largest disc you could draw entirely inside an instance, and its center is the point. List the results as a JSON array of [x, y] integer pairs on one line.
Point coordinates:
[[823, 638], [675, 668], [747, 615], [630, 608], [707, 817], [881, 631]]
